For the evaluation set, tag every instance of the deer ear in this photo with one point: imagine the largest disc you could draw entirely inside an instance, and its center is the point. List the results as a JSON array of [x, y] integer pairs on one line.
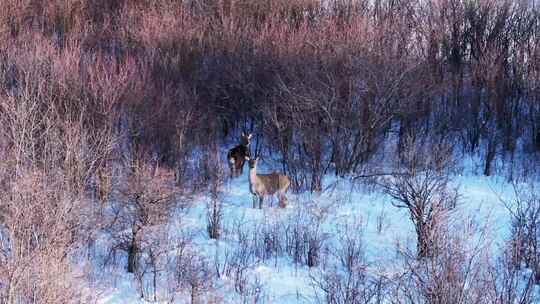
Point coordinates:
[[247, 157], [243, 134], [250, 135], [257, 158]]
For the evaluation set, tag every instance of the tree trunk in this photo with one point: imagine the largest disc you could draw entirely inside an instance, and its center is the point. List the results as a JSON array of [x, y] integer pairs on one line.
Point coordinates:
[[404, 131], [490, 156], [193, 294], [132, 255], [12, 293], [422, 240], [537, 140], [154, 279]]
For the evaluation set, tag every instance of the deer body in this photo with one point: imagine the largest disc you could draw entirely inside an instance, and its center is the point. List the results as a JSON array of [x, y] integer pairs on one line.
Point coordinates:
[[237, 155], [262, 185]]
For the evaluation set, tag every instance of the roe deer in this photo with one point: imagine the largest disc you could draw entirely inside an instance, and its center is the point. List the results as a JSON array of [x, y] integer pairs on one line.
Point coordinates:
[[261, 185], [237, 155]]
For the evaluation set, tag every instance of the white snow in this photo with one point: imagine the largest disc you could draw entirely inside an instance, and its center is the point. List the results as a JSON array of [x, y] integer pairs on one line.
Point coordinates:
[[384, 226]]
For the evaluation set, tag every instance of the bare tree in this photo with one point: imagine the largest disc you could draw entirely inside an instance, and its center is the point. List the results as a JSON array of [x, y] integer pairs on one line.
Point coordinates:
[[422, 187], [143, 201], [214, 215]]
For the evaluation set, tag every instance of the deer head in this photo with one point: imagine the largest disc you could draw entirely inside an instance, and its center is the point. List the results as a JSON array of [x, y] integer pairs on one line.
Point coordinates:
[[252, 162], [245, 139]]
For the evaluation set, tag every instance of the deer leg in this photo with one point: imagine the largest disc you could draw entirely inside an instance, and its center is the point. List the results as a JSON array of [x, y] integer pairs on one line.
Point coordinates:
[[254, 201], [231, 166], [282, 201], [260, 201]]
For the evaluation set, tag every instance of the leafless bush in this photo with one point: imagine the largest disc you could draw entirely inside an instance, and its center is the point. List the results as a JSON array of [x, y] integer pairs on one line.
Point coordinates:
[[299, 237], [267, 240], [349, 287], [350, 250], [381, 221], [525, 212], [144, 201], [53, 146], [457, 273], [235, 263], [214, 217], [304, 239], [340, 74], [39, 230], [510, 284], [193, 275], [300, 240], [346, 278], [179, 252], [154, 262], [423, 189], [214, 208], [255, 292]]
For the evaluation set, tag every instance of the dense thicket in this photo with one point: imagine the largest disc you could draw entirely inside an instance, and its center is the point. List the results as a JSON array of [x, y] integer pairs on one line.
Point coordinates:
[[323, 84]]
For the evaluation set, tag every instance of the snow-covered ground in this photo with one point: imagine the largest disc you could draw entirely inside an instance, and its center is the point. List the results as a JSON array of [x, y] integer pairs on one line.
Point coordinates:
[[278, 279]]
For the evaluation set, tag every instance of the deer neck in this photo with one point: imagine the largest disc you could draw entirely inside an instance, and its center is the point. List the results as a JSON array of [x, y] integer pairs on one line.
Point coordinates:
[[252, 175]]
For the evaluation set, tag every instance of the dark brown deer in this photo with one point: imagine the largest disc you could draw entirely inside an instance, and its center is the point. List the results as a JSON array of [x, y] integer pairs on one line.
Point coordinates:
[[237, 155]]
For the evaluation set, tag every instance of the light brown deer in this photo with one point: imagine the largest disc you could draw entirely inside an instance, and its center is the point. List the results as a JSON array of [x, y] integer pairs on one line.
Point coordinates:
[[237, 155], [261, 185]]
